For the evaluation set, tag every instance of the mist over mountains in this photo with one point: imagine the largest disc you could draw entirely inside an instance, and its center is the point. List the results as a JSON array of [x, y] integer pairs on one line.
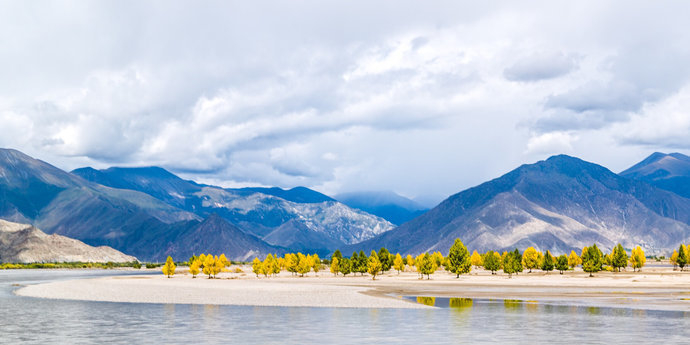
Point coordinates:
[[558, 204]]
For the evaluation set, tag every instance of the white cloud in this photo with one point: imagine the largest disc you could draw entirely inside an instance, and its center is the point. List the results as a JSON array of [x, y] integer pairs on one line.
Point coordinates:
[[551, 143], [342, 96]]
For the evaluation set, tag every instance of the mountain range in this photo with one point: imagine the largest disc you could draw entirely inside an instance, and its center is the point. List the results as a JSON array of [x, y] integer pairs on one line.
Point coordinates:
[[560, 204], [152, 213]]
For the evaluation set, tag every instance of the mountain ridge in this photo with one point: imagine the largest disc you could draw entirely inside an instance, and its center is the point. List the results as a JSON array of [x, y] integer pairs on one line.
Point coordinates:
[[558, 204]]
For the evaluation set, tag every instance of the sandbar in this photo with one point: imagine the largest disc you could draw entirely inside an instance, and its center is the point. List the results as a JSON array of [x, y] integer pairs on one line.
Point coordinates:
[[655, 288]]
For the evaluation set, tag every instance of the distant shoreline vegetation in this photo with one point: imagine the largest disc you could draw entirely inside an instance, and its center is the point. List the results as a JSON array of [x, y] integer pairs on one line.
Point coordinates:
[[75, 265]]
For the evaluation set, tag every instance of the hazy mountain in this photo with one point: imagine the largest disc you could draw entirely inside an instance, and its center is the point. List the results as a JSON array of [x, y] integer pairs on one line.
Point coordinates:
[[23, 243], [559, 204], [259, 211], [385, 204], [666, 171]]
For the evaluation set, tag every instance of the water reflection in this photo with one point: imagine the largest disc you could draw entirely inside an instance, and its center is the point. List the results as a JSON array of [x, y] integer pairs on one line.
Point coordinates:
[[460, 303], [512, 304], [430, 301]]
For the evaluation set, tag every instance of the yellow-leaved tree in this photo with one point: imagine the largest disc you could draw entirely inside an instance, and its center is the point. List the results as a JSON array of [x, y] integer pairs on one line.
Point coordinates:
[[335, 265], [169, 267], [573, 259], [530, 259], [269, 265], [373, 264], [218, 265], [257, 266], [476, 259], [194, 268], [208, 264], [674, 259], [409, 260], [398, 263], [224, 260], [637, 259], [438, 258], [315, 264], [304, 264]]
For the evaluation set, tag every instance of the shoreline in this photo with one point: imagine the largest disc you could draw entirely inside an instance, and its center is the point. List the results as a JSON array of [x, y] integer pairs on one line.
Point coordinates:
[[658, 288]]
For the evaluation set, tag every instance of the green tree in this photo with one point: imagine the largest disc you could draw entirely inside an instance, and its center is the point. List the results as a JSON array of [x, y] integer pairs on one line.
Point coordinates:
[[386, 259], [682, 259], [374, 265], [169, 267], [346, 266], [512, 262], [458, 261], [548, 262], [562, 263], [492, 261], [337, 254], [518, 261], [362, 263], [619, 258], [592, 259]]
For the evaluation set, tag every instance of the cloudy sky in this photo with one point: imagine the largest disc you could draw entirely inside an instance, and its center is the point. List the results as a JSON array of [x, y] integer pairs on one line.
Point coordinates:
[[422, 98]]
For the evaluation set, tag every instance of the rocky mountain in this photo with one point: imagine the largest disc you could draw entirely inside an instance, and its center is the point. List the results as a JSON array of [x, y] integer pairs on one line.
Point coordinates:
[[559, 204], [280, 216], [23, 243], [385, 204], [666, 171]]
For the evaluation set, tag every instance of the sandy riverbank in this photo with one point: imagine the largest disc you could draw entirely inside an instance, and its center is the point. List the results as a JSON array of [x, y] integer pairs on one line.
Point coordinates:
[[658, 288]]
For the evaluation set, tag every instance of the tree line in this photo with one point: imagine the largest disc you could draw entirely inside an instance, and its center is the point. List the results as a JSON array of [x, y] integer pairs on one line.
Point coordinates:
[[457, 261]]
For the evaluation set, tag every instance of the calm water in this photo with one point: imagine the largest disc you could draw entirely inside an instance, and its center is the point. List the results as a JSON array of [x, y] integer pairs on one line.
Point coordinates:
[[38, 321]]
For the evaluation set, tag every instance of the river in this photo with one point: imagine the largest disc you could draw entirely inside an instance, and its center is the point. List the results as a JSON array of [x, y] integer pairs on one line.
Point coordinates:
[[26, 320]]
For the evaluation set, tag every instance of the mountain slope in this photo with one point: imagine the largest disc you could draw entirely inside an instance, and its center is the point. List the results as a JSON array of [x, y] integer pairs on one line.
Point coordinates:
[[32, 191], [387, 205], [666, 171], [23, 243], [214, 235], [559, 204]]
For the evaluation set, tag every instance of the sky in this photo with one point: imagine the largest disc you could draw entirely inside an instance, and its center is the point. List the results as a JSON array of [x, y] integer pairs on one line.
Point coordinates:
[[421, 98]]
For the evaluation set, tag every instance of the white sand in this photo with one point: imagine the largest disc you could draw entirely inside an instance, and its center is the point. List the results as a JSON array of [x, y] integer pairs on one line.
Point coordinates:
[[290, 292], [654, 288]]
